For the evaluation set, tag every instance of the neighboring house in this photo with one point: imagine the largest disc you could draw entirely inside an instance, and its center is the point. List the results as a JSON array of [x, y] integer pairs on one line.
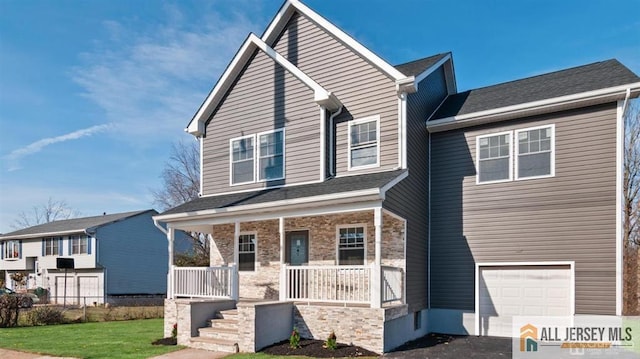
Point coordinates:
[[344, 194], [120, 254]]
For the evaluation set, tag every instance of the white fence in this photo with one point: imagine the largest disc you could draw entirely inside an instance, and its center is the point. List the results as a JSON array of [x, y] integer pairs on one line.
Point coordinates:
[[391, 286], [343, 284], [206, 282]]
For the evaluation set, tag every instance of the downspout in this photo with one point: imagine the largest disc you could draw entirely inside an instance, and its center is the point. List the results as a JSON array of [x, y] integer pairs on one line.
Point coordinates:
[[626, 101], [331, 135], [155, 223], [619, 204]]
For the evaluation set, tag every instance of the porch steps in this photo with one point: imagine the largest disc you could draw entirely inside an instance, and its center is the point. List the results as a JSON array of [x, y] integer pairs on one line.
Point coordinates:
[[222, 335]]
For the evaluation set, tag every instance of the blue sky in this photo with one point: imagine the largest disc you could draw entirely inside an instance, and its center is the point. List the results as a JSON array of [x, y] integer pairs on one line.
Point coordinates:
[[93, 93]]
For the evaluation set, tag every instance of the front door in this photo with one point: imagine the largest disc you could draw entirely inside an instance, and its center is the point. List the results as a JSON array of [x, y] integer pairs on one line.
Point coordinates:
[[297, 248]]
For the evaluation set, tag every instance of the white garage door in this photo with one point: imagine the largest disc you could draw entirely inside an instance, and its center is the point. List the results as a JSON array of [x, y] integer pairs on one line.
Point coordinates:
[[89, 290], [71, 297], [521, 291]]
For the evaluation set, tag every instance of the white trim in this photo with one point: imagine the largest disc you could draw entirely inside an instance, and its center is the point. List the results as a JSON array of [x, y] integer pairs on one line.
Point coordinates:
[[201, 143], [388, 186], [403, 131], [516, 145], [365, 239], [257, 149], [231, 183], [431, 69], [45, 234], [620, 141], [572, 290], [282, 17], [332, 134], [478, 138], [497, 114], [256, 262], [400, 129], [323, 143], [378, 142]]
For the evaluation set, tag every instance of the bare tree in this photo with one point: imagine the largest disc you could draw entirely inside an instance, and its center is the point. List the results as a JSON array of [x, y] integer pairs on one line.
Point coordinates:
[[181, 183], [631, 207], [53, 210]]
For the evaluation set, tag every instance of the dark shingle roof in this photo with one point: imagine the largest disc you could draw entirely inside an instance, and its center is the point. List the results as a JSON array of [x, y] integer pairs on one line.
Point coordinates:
[[571, 81], [75, 224], [417, 67], [330, 186]]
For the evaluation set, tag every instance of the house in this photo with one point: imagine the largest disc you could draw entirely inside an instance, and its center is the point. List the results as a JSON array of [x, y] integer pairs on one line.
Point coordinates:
[[341, 193], [114, 255]]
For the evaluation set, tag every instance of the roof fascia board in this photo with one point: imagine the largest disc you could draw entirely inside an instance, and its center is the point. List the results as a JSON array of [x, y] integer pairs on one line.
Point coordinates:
[[43, 234], [321, 96], [432, 68], [279, 21], [498, 114]]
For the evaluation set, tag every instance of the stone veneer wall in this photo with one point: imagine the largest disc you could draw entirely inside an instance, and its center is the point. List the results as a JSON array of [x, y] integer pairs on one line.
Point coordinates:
[[263, 282]]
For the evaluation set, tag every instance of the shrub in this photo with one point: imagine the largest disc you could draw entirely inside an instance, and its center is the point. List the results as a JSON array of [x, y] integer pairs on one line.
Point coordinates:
[[331, 342], [9, 310], [45, 316], [174, 331], [294, 339]]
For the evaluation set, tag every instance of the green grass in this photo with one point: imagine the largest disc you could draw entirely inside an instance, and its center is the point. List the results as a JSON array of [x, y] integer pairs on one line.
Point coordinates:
[[124, 339]]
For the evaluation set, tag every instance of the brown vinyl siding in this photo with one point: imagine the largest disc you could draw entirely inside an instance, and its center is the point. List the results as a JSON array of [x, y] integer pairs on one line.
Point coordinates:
[[568, 217], [409, 198], [361, 87], [265, 97]]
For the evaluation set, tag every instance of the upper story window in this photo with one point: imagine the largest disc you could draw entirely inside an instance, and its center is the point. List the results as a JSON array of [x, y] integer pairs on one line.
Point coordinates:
[[271, 155], [351, 243], [79, 245], [51, 246], [12, 250], [242, 160], [535, 157], [494, 157], [364, 146], [247, 252]]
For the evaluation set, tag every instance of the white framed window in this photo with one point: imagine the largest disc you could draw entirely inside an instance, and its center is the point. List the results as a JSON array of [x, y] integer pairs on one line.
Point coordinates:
[[493, 157], [51, 246], [364, 143], [271, 155], [242, 156], [78, 245], [247, 252], [352, 241], [12, 250], [535, 152]]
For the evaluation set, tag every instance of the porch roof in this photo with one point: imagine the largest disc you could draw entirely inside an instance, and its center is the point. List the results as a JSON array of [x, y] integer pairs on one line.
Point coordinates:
[[329, 187]]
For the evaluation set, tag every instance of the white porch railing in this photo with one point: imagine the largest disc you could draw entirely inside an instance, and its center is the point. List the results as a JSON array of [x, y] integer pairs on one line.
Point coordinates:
[[342, 284], [391, 286], [205, 282]]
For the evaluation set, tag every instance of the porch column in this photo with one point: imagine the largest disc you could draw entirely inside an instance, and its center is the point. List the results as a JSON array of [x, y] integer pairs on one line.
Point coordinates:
[[283, 268], [375, 272], [170, 237], [236, 241]]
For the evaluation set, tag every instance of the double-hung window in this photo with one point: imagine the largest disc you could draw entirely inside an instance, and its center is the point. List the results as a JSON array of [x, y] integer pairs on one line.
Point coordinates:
[[247, 252], [12, 249], [494, 157], [242, 160], [51, 246], [79, 244], [351, 243], [271, 155], [364, 146], [535, 157]]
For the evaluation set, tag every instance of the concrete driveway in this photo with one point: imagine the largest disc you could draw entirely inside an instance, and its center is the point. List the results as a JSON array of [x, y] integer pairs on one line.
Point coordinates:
[[442, 346]]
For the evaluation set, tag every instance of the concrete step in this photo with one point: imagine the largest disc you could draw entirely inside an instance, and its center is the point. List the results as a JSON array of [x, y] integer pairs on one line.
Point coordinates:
[[219, 333], [224, 323], [216, 345], [227, 314]]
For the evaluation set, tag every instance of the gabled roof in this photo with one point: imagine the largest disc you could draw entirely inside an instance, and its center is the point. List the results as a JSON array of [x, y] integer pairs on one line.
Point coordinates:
[[542, 90], [75, 225], [417, 67], [331, 188]]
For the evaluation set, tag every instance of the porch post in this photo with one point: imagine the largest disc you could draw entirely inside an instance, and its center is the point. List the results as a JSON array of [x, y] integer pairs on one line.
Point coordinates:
[[170, 237], [236, 241], [375, 273], [283, 268]]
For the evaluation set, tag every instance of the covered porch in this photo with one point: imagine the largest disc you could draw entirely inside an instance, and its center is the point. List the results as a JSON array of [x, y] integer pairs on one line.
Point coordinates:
[[351, 254]]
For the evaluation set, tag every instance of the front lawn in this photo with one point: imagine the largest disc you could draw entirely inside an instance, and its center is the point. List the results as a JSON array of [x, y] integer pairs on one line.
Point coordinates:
[[125, 339]]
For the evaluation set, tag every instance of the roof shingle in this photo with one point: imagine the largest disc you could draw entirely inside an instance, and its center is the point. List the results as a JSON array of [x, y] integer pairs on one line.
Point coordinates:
[[416, 67]]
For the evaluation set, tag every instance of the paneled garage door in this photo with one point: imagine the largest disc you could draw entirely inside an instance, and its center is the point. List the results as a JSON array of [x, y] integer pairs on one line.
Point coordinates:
[[508, 291], [89, 289]]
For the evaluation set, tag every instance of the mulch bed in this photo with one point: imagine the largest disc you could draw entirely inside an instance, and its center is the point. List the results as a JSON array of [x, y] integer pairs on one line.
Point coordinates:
[[313, 348], [165, 341]]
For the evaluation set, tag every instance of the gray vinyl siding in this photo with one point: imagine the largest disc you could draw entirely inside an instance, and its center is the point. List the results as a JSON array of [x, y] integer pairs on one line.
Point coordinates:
[[409, 198], [265, 97], [361, 87], [568, 217], [133, 253]]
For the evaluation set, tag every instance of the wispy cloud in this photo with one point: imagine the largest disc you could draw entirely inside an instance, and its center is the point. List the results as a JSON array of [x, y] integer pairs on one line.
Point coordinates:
[[150, 81], [37, 146]]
